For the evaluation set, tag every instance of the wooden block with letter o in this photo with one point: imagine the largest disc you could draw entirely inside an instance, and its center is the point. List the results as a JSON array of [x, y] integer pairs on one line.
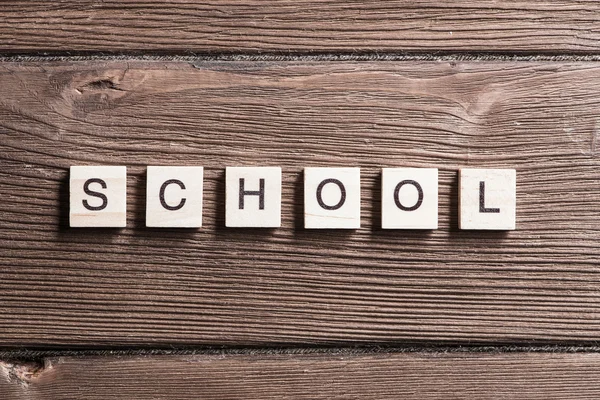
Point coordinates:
[[409, 198], [331, 198]]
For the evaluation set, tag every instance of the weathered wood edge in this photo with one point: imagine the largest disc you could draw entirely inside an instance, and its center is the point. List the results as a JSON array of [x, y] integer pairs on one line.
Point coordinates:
[[307, 376], [236, 26]]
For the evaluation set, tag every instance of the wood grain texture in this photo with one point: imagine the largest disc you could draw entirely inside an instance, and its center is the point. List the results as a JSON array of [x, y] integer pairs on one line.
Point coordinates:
[[549, 26], [139, 286], [343, 376]]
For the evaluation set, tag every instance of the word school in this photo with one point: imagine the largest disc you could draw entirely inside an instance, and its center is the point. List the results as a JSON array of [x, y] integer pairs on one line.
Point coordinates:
[[409, 197]]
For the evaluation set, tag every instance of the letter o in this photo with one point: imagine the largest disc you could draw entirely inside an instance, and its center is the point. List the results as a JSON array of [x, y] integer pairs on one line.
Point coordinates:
[[320, 194], [397, 193]]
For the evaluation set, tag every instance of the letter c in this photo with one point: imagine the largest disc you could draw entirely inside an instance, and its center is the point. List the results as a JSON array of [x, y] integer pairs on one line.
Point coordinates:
[[162, 195]]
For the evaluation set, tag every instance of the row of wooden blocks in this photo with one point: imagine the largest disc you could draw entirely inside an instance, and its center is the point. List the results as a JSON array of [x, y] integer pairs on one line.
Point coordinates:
[[409, 197]]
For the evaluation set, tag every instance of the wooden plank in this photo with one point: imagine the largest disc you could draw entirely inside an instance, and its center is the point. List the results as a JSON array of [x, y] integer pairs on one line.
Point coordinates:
[[550, 26], [217, 285], [419, 376]]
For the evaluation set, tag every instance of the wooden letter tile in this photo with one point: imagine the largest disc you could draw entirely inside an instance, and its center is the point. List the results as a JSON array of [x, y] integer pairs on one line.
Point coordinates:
[[409, 198], [487, 199], [331, 198], [253, 197], [174, 197], [98, 196]]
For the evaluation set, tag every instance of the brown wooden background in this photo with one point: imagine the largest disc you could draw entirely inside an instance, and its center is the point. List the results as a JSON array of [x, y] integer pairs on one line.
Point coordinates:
[[92, 313]]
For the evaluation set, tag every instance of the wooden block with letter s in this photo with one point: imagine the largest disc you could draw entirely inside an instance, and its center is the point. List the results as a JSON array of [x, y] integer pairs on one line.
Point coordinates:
[[98, 196]]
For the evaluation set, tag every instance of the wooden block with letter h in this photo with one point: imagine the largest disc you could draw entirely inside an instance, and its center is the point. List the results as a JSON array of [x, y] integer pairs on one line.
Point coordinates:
[[253, 197]]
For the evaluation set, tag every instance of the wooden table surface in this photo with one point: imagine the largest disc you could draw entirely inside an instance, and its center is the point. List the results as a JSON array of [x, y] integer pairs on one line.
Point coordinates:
[[232, 313]]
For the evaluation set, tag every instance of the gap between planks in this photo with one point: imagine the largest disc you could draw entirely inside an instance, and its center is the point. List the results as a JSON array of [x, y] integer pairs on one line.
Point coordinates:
[[298, 57], [38, 355]]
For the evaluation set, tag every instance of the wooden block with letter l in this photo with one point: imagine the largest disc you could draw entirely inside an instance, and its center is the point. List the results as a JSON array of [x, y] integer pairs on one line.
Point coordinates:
[[253, 197], [98, 196], [331, 198], [174, 197], [487, 199]]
